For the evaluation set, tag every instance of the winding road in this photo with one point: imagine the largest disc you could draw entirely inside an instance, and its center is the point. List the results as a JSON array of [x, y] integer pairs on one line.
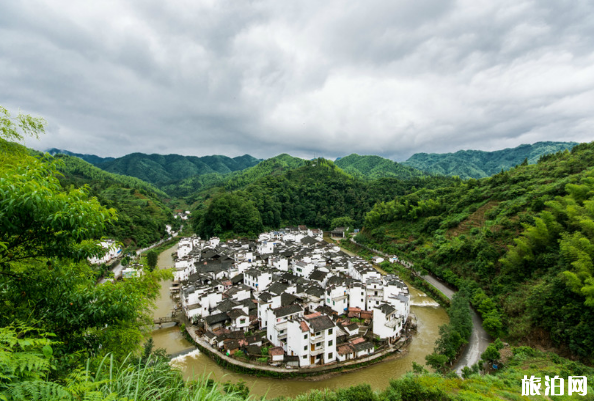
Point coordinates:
[[479, 339]]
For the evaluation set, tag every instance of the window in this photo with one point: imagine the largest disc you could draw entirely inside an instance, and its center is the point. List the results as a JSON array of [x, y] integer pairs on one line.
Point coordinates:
[[329, 331], [330, 343], [305, 337], [330, 355], [377, 302], [304, 357], [317, 334], [333, 303], [305, 348], [242, 321]]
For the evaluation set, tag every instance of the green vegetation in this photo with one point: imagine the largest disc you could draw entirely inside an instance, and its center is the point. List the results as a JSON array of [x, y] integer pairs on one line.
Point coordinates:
[[454, 335], [151, 259], [164, 169], [93, 159], [480, 164], [315, 194], [142, 213], [518, 241], [374, 167]]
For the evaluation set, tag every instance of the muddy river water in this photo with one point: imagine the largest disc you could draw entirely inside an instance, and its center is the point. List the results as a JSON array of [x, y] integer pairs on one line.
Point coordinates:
[[192, 363]]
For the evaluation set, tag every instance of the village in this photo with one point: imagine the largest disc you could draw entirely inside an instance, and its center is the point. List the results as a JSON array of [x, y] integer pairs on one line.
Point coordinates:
[[289, 299]]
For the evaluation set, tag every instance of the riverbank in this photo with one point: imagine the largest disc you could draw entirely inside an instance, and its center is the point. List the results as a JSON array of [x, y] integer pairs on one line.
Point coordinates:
[[479, 340], [289, 373]]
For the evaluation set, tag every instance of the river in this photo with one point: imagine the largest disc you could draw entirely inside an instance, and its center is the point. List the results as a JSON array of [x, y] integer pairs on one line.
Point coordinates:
[[429, 317]]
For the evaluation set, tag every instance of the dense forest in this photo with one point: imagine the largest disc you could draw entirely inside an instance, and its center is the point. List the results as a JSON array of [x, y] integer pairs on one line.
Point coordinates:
[[374, 167], [520, 241], [164, 169], [141, 208], [315, 194], [480, 164]]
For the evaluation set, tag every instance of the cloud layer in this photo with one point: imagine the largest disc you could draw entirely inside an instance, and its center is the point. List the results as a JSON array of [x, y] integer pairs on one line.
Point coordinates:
[[308, 78]]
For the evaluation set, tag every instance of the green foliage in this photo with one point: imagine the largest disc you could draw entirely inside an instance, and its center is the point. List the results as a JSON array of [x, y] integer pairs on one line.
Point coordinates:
[[164, 169], [344, 221], [151, 259], [480, 164], [454, 335], [374, 167], [520, 241], [315, 195], [142, 215], [38, 218], [231, 212], [25, 356], [16, 128]]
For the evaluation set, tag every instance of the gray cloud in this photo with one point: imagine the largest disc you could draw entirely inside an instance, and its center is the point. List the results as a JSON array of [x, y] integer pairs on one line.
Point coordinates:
[[326, 78]]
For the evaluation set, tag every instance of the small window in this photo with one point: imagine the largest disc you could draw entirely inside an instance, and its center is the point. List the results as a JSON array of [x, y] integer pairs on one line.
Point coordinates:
[[317, 334], [330, 355], [305, 337], [304, 357], [330, 343], [305, 348], [329, 331]]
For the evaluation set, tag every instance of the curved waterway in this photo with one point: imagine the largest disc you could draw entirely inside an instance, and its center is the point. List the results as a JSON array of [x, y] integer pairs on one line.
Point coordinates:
[[429, 317]]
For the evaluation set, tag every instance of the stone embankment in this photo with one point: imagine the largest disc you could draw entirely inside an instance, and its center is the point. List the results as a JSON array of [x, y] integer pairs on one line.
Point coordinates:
[[277, 371]]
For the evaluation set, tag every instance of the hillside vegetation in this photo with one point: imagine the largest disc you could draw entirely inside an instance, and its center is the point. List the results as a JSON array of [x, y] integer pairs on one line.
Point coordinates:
[[521, 241], [93, 159], [316, 194], [480, 164], [374, 167], [142, 213], [200, 187], [163, 169]]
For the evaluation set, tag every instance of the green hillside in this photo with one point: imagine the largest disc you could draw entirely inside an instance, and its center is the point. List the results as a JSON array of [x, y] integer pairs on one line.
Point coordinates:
[[374, 167], [480, 164], [520, 241], [93, 159], [142, 214], [199, 187], [318, 194], [164, 169]]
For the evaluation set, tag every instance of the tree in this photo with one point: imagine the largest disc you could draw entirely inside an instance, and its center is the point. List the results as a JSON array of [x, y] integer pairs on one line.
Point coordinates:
[[40, 219], [344, 221], [151, 259]]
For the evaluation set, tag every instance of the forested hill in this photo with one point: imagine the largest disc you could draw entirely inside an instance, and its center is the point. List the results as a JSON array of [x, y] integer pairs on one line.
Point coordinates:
[[195, 187], [373, 167], [522, 241], [93, 159], [480, 164], [163, 169], [141, 212], [318, 194]]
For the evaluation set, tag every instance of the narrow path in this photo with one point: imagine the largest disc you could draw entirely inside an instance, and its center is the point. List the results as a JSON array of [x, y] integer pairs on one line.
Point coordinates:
[[479, 339]]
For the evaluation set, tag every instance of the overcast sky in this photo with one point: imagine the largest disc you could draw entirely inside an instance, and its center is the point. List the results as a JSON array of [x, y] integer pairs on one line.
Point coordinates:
[[325, 78]]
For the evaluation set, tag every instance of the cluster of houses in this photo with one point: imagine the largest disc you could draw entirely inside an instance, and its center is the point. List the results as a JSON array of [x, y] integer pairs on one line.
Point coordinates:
[[302, 299], [113, 250]]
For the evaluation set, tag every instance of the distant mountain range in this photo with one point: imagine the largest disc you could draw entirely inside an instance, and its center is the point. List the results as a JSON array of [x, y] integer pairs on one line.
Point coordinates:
[[479, 164], [95, 160], [181, 175]]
